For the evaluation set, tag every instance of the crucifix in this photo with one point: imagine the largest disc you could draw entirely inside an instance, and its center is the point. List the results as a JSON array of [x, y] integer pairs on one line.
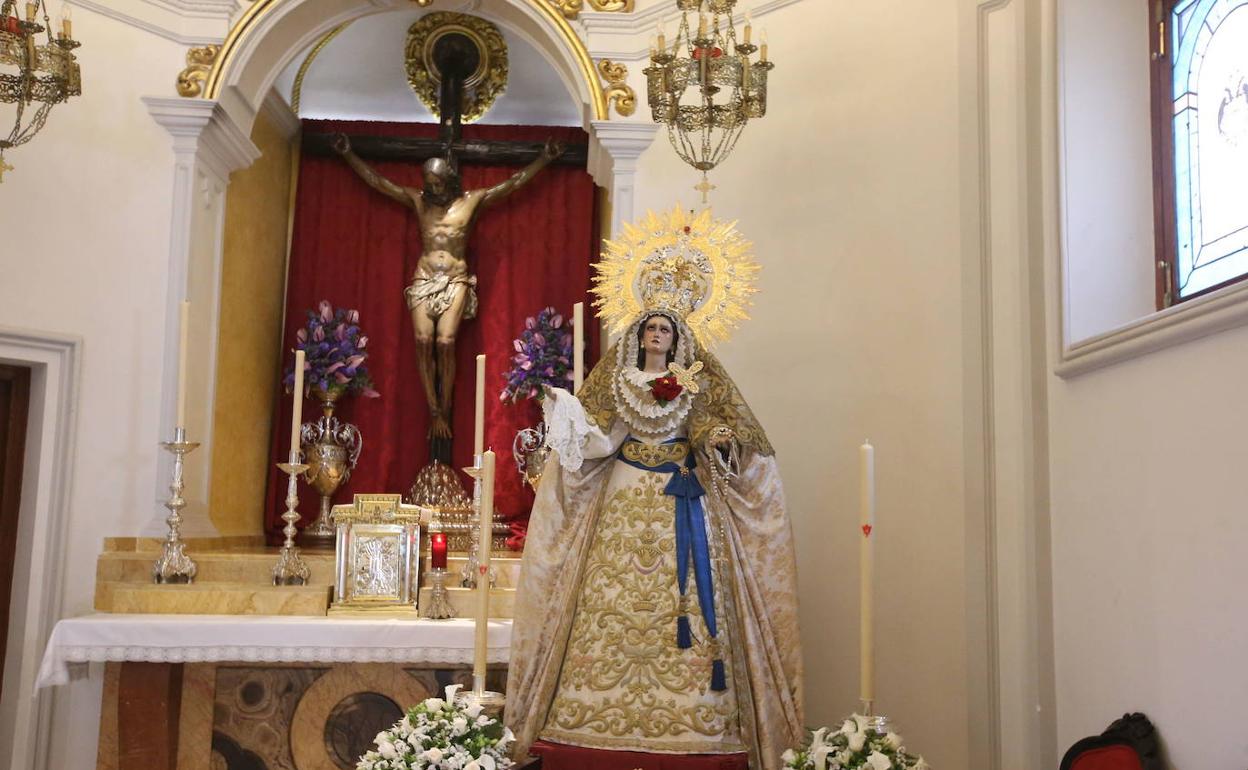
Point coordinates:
[[442, 293]]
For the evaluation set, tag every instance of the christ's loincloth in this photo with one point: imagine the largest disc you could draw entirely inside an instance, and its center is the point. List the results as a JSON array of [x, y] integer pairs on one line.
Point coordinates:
[[436, 291]]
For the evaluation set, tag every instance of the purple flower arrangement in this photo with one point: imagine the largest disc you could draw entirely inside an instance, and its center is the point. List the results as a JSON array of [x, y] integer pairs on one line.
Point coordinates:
[[543, 357], [334, 351]]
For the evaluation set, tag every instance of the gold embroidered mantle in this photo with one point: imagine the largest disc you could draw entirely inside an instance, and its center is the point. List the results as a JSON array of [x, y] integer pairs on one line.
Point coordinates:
[[757, 577]]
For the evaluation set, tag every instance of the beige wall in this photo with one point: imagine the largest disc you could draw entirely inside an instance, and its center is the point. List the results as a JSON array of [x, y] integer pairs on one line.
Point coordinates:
[[85, 217], [253, 276], [849, 189]]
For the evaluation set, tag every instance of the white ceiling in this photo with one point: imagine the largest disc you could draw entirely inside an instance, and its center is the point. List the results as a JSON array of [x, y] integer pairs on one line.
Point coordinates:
[[360, 76]]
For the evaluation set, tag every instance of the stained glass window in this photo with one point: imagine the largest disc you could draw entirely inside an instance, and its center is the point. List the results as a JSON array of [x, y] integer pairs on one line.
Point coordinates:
[[1209, 130]]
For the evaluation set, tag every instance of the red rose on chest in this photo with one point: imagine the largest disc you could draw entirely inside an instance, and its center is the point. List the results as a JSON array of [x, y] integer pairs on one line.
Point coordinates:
[[665, 389]]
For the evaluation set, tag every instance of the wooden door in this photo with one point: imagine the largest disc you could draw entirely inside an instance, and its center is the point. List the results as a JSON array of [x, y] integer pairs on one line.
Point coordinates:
[[14, 409]]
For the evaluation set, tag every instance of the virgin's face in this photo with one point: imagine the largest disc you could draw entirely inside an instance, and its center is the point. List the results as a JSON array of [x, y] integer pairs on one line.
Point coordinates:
[[656, 336]]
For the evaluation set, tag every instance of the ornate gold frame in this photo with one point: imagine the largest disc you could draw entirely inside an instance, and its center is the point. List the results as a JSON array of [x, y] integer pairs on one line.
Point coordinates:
[[248, 23], [483, 87], [572, 8], [617, 90]]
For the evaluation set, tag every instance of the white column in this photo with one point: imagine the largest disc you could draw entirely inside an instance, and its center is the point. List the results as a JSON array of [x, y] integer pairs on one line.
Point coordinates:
[[207, 145], [613, 159]]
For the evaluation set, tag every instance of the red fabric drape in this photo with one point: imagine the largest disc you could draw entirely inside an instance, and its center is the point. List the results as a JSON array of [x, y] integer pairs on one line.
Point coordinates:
[[358, 249], [561, 756]]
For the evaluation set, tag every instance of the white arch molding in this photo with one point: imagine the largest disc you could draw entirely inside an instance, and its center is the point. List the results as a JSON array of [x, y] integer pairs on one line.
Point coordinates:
[[211, 139]]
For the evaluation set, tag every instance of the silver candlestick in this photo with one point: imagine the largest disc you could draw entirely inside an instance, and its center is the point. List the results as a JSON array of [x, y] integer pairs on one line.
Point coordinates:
[[469, 572], [291, 570], [174, 566]]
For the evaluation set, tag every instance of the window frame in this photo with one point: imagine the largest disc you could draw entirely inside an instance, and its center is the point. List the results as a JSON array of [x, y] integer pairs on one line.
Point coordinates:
[[1165, 201]]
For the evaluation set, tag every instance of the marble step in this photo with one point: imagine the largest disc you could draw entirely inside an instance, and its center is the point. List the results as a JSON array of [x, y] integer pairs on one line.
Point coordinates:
[[211, 599], [252, 567], [255, 566], [464, 602]]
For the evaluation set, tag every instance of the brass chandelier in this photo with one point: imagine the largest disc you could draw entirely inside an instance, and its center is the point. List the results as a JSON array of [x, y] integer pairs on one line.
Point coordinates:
[[704, 87], [34, 75]]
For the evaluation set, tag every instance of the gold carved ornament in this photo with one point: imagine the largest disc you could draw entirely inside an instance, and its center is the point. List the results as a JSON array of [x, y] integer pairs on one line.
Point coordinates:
[[483, 87], [250, 24], [199, 62], [572, 8], [617, 90]]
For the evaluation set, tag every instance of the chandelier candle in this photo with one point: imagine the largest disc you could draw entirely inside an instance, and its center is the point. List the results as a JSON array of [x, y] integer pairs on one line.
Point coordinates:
[[486, 535], [478, 425], [184, 316], [578, 346], [866, 490]]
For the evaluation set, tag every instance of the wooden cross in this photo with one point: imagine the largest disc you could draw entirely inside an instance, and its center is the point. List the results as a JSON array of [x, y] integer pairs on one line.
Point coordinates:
[[705, 188], [3, 168]]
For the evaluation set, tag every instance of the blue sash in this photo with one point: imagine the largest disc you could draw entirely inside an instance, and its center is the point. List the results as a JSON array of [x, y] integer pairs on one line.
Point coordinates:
[[691, 540]]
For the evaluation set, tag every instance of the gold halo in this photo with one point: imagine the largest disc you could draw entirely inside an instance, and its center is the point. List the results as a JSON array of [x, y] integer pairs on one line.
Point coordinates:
[[709, 260], [483, 87]]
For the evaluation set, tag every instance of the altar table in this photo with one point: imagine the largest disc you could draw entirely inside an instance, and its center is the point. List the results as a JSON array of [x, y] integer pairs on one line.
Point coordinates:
[[200, 692]]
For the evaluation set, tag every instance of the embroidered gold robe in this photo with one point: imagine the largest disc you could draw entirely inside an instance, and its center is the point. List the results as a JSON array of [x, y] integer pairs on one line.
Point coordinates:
[[593, 654]]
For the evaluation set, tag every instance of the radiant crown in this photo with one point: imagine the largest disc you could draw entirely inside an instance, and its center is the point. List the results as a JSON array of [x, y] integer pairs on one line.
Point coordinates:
[[693, 265]]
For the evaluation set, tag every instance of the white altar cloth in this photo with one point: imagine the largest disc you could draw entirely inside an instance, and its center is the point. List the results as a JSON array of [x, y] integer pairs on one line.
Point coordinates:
[[262, 639]]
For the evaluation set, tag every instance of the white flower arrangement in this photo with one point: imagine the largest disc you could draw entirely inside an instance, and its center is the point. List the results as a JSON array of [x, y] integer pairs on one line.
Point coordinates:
[[438, 734], [855, 746]]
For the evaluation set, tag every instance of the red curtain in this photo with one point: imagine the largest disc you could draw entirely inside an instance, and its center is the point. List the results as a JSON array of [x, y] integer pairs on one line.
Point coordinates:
[[357, 249]]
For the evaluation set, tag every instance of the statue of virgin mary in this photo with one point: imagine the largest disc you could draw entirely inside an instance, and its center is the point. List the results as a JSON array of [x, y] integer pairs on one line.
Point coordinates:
[[656, 609]]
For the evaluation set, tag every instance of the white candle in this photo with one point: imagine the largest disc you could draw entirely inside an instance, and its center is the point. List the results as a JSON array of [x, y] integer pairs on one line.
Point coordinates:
[[866, 489], [661, 39], [478, 424], [486, 535], [578, 346], [184, 323], [762, 46], [296, 414], [749, 26]]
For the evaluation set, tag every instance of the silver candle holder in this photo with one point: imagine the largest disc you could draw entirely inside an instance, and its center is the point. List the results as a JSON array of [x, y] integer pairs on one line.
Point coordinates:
[[291, 569], [439, 607], [469, 573], [174, 566]]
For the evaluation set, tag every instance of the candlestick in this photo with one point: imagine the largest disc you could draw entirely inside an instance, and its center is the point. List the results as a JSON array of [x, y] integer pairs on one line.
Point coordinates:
[[31, 10], [174, 566], [866, 490], [762, 46], [478, 425], [578, 346], [483, 568], [66, 22], [701, 25], [291, 569], [662, 38], [749, 27], [184, 316], [296, 413]]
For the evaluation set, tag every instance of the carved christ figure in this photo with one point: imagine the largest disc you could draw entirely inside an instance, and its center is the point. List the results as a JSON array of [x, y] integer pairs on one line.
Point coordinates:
[[442, 293]]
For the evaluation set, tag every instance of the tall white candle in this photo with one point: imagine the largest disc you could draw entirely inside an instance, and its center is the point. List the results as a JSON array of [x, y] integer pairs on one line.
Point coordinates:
[[486, 535], [478, 424], [578, 346], [184, 324], [866, 489], [296, 414]]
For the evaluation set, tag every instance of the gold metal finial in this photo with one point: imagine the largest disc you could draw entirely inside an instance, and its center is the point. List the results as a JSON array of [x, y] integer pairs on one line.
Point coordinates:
[[705, 187]]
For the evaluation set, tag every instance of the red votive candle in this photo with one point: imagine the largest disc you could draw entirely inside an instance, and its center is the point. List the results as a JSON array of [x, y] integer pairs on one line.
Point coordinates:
[[437, 550]]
